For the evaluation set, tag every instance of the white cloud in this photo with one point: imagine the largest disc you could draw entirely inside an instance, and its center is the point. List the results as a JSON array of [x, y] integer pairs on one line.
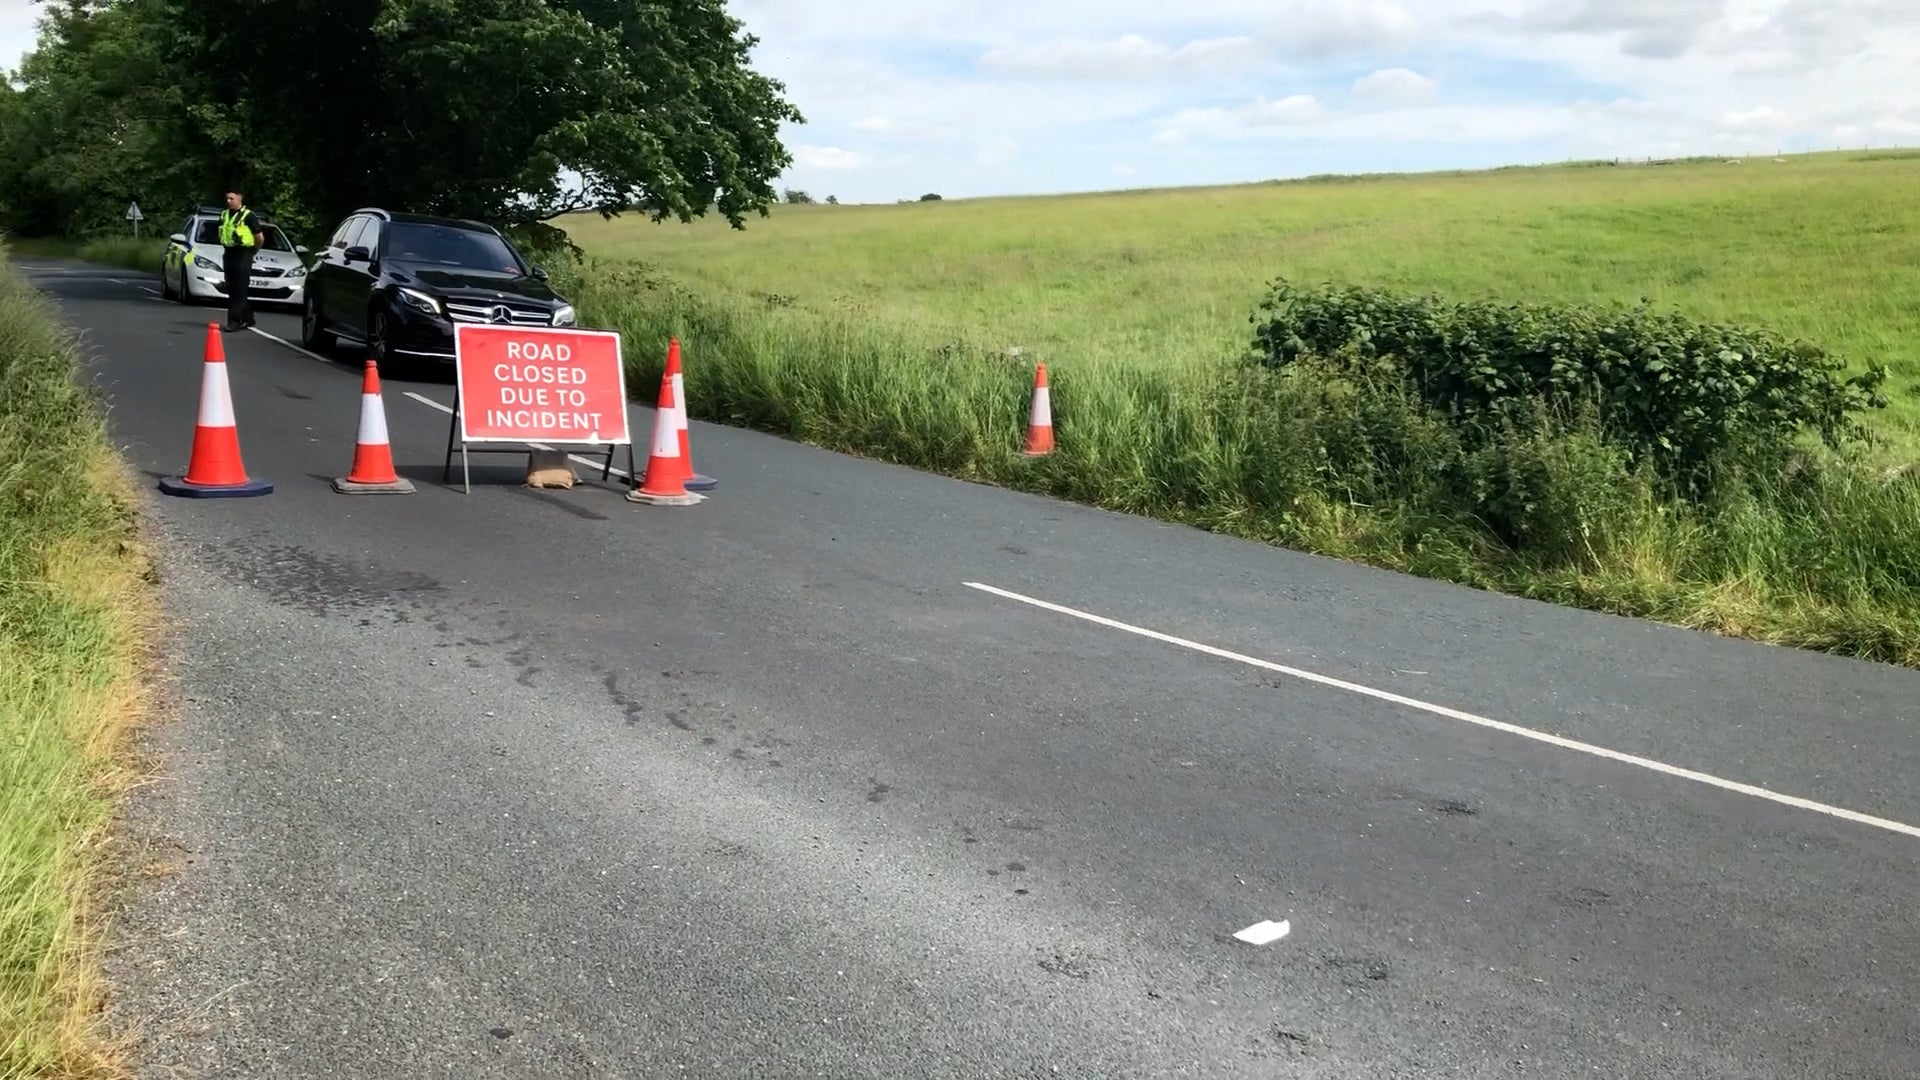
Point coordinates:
[[892, 128], [1762, 118], [1651, 29], [1396, 86], [1899, 126], [997, 151], [1127, 56], [1294, 109], [17, 31], [1313, 31], [1331, 28], [1194, 92], [1254, 116], [827, 158]]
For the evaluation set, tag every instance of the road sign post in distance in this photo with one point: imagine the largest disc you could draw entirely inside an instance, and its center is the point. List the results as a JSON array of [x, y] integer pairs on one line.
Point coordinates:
[[539, 388]]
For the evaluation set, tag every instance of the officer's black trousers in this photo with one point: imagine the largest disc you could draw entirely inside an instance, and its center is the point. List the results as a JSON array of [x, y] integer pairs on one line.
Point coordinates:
[[239, 272]]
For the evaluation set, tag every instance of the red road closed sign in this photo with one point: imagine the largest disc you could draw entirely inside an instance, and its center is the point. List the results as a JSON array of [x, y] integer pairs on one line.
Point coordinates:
[[540, 384]]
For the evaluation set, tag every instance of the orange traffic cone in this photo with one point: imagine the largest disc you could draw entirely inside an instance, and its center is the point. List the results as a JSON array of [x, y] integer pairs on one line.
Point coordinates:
[[372, 472], [1040, 420], [693, 480], [666, 481], [215, 470]]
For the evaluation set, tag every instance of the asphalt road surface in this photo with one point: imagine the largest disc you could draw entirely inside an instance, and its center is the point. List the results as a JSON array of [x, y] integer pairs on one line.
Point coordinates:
[[852, 771]]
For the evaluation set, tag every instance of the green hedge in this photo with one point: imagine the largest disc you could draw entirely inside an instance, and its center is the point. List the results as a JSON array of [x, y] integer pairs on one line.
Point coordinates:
[[1677, 393]]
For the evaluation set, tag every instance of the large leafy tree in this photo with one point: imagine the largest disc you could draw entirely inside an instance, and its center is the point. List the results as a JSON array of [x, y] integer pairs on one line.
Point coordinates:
[[98, 119], [513, 111]]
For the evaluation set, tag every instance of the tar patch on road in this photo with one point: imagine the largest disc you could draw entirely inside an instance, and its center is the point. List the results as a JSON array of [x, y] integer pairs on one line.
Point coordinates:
[[319, 584]]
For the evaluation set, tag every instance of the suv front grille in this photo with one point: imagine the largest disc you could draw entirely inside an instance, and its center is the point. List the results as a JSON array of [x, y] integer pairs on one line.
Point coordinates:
[[490, 313]]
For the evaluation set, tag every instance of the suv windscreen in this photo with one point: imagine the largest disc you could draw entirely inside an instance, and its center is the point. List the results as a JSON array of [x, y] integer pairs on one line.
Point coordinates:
[[270, 237], [439, 245]]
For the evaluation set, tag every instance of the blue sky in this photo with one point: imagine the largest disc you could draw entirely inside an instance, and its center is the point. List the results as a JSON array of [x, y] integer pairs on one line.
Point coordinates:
[[983, 97]]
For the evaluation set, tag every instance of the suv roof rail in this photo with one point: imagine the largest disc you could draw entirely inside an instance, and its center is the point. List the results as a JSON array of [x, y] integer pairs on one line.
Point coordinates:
[[408, 217]]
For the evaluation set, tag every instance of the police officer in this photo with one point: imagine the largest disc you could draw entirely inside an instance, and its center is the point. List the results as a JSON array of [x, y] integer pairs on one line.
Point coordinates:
[[239, 239]]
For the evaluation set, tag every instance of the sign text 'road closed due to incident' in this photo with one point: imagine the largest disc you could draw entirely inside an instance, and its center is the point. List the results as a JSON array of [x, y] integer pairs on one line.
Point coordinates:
[[540, 384]]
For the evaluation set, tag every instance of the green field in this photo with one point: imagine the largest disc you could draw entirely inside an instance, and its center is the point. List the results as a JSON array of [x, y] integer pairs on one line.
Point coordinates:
[[889, 331], [75, 614], [1822, 246]]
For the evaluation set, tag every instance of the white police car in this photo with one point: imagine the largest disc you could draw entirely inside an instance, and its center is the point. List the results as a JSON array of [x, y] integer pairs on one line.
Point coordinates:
[[193, 270]]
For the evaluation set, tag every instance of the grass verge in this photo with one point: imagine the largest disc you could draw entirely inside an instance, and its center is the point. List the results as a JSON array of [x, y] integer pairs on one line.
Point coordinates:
[[123, 252], [76, 613]]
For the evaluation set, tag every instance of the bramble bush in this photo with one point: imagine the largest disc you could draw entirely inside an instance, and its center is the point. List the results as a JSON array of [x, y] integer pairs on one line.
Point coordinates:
[[1670, 391]]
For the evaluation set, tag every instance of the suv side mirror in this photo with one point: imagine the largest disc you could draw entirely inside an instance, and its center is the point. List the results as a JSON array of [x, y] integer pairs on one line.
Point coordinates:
[[539, 273], [357, 253], [179, 238]]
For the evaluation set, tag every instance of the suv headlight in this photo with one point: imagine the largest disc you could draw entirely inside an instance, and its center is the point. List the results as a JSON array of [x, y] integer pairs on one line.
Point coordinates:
[[564, 316], [420, 301]]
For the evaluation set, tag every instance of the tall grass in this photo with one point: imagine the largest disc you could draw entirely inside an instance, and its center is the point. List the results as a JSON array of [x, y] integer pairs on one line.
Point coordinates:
[[75, 611], [1821, 549], [125, 252], [1824, 247]]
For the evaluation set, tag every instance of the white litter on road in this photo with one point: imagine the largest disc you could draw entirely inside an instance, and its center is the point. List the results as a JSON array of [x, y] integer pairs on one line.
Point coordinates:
[[1264, 933]]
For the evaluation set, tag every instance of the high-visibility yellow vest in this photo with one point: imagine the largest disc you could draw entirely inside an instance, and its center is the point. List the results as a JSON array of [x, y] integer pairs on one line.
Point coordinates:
[[233, 228]]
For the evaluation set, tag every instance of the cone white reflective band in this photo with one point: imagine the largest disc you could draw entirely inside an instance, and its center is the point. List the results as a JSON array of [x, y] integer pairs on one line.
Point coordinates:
[[1042, 407], [679, 404], [373, 421], [666, 439], [216, 402]]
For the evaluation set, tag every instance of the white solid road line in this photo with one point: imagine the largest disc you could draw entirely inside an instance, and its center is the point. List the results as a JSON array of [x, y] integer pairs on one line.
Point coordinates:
[[448, 409], [278, 340], [1455, 714]]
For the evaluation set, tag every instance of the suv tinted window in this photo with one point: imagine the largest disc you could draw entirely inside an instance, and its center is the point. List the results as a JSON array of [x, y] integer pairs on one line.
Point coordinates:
[[344, 233], [447, 246]]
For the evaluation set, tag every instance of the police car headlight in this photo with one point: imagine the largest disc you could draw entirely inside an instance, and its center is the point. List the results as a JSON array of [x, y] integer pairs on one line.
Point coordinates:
[[298, 271], [420, 301], [563, 317], [205, 263]]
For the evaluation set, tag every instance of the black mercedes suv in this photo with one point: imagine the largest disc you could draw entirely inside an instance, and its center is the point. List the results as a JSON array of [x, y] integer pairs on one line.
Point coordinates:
[[396, 283]]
